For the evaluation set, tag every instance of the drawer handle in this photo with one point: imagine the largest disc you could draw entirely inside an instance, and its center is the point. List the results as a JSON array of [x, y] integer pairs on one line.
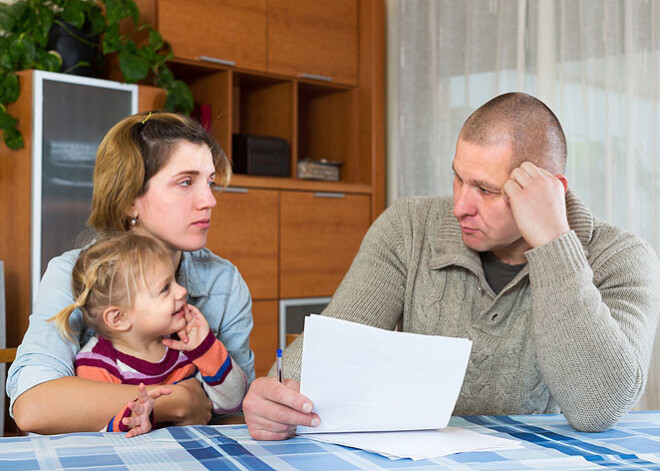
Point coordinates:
[[325, 78], [233, 189], [215, 60], [321, 194]]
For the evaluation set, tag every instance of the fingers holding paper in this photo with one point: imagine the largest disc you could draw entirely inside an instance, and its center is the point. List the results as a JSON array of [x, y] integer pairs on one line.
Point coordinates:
[[273, 410]]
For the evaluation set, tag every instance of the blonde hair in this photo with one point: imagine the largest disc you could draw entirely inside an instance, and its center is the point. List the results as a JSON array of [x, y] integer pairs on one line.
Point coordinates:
[[107, 274], [132, 152]]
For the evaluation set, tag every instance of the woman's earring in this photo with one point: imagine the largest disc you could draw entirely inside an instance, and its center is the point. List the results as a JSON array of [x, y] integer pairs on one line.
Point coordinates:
[[133, 220]]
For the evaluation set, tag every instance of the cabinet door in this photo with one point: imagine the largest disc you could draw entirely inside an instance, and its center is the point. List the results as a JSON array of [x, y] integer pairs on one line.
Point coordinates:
[[320, 233], [316, 37], [264, 340], [229, 30], [244, 231]]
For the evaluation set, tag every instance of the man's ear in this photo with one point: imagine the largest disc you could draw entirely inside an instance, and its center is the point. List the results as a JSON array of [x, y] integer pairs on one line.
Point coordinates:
[[115, 319], [563, 180]]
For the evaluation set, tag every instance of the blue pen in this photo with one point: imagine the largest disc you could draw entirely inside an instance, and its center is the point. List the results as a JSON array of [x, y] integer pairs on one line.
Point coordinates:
[[279, 365]]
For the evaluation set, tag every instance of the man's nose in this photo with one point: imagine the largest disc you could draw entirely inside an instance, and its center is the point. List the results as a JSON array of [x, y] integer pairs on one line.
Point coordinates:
[[464, 201]]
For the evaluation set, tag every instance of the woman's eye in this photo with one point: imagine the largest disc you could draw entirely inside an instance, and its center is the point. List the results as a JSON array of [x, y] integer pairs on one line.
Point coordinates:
[[186, 183]]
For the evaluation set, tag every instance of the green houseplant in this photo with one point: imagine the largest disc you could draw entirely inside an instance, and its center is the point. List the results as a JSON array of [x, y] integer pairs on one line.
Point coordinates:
[[25, 26]]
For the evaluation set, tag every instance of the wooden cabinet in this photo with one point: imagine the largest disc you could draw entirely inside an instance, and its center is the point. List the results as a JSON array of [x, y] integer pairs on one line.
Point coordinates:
[[244, 230], [232, 32], [314, 38], [263, 340], [320, 233]]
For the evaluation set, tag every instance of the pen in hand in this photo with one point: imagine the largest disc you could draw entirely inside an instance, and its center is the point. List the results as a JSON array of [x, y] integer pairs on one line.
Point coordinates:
[[279, 365]]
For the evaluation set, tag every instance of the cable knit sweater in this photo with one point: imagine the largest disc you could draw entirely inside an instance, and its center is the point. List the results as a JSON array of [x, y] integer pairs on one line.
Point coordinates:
[[572, 332]]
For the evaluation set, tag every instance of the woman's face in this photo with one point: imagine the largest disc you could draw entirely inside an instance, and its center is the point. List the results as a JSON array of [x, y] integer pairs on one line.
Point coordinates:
[[176, 208]]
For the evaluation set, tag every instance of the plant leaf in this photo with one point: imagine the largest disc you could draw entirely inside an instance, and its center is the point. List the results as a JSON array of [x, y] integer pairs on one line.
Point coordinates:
[[97, 21], [51, 61], [117, 10], [9, 90], [17, 52], [6, 121], [7, 22], [155, 40], [13, 138], [17, 9], [44, 19], [111, 42], [132, 66], [74, 13], [179, 98]]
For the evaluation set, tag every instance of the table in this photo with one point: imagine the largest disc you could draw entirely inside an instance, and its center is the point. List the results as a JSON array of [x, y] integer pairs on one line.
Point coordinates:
[[549, 443]]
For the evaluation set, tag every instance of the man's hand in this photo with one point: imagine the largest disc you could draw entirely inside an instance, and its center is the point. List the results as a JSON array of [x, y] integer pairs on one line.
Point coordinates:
[[538, 204], [140, 420], [273, 410]]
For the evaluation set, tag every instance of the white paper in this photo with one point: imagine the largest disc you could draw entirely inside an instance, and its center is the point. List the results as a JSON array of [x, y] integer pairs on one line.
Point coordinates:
[[418, 444], [361, 378]]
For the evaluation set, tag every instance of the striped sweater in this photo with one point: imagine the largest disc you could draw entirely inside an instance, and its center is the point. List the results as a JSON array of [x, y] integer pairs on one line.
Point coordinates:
[[222, 379]]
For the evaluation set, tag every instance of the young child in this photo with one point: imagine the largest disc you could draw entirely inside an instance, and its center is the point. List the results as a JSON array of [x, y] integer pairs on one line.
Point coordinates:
[[126, 290]]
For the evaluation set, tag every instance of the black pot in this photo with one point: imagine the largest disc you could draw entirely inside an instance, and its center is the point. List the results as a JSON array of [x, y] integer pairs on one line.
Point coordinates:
[[75, 46]]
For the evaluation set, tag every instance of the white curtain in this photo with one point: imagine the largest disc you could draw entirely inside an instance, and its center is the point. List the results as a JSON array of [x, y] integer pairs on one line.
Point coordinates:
[[595, 63]]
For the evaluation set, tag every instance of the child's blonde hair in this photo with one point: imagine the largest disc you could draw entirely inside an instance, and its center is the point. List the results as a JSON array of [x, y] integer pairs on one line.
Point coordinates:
[[107, 274]]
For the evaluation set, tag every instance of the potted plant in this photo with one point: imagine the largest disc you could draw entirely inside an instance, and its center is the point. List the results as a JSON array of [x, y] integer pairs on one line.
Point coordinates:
[[26, 42]]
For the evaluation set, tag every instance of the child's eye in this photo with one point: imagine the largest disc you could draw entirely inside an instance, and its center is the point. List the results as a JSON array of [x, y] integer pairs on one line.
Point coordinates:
[[166, 288]]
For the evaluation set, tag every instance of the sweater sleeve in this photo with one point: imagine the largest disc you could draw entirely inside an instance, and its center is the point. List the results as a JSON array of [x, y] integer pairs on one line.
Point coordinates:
[[373, 290], [593, 325], [222, 378]]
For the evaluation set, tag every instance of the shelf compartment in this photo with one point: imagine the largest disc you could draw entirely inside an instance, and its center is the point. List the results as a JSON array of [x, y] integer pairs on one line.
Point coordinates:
[[328, 127], [265, 106]]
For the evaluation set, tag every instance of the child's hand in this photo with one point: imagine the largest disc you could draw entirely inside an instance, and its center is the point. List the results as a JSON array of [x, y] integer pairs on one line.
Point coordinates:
[[197, 328], [140, 421]]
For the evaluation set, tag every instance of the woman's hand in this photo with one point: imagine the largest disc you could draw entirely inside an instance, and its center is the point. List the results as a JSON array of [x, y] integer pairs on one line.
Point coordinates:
[[187, 405], [140, 419], [273, 410]]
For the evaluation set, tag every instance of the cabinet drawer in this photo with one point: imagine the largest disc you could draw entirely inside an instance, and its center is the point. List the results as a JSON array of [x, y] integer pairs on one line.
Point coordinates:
[[244, 231], [233, 31], [320, 234], [314, 37], [263, 339]]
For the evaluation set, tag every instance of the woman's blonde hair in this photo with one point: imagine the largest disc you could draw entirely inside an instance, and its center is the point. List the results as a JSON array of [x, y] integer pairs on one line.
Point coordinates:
[[107, 274], [132, 152]]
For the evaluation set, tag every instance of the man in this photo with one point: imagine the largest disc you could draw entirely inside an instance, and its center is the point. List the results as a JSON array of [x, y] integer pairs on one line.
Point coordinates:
[[561, 307]]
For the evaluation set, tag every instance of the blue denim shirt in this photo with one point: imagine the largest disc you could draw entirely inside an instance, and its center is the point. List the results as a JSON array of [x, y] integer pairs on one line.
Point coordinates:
[[214, 286]]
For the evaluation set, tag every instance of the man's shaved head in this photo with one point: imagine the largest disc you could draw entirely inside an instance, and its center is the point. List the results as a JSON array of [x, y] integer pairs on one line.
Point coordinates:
[[525, 123]]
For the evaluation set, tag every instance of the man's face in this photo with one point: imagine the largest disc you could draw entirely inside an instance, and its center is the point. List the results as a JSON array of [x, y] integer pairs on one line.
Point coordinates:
[[486, 221]]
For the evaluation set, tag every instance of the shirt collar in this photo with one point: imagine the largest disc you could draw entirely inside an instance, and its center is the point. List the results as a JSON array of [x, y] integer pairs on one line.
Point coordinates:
[[447, 247], [190, 277]]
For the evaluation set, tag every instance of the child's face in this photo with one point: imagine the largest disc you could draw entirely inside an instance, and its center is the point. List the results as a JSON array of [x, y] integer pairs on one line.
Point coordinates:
[[158, 307]]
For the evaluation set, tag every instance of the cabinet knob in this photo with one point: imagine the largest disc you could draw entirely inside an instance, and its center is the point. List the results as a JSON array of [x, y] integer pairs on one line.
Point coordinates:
[[215, 60], [325, 78]]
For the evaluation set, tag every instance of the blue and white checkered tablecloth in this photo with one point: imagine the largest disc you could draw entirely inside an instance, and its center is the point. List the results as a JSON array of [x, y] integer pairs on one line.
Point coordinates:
[[549, 443]]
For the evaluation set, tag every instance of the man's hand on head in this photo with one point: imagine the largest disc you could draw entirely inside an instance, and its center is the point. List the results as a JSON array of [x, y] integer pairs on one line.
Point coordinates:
[[538, 204]]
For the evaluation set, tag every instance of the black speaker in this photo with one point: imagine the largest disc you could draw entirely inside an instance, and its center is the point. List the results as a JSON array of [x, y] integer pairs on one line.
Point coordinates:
[[260, 155]]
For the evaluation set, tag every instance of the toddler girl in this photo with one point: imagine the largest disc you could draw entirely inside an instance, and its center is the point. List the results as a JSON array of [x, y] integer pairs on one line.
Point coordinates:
[[146, 333]]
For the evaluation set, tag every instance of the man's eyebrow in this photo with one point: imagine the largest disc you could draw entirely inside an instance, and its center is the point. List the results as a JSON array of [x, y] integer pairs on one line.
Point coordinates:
[[480, 183]]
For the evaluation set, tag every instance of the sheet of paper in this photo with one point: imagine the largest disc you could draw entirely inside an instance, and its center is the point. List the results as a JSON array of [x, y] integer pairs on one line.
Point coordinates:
[[361, 378], [418, 444]]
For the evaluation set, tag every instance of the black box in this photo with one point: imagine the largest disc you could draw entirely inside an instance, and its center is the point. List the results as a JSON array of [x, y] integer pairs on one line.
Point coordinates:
[[260, 155]]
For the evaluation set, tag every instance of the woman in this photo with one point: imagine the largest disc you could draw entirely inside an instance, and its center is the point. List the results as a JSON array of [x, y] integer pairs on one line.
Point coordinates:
[[153, 175]]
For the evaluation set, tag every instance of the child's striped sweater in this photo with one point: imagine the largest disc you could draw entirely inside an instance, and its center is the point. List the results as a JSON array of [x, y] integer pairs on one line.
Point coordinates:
[[222, 379]]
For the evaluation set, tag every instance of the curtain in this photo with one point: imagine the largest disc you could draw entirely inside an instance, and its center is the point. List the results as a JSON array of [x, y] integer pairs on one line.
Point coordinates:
[[596, 64]]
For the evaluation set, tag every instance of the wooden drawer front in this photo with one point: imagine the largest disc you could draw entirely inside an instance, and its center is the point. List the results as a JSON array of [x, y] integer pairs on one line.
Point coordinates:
[[264, 340], [230, 30], [316, 37], [319, 236], [244, 231]]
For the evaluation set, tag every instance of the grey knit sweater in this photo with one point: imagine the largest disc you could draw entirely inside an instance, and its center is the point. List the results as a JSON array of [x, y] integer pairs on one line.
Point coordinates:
[[572, 332]]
